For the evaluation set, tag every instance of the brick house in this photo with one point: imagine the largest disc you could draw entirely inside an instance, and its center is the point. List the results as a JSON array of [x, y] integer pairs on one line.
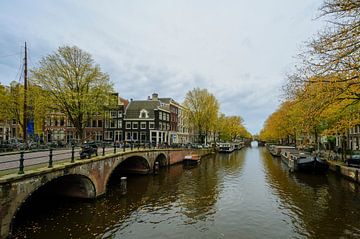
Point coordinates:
[[147, 121]]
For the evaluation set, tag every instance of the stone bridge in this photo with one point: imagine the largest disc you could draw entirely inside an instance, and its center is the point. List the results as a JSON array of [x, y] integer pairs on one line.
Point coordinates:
[[82, 179]]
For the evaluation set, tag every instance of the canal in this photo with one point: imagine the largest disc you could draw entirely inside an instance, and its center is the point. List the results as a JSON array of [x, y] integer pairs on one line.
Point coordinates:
[[246, 194]]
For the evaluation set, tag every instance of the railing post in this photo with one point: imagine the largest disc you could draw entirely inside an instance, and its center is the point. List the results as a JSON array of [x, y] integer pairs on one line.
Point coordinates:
[[72, 154], [131, 145], [114, 148], [21, 166], [124, 146], [51, 159], [138, 146]]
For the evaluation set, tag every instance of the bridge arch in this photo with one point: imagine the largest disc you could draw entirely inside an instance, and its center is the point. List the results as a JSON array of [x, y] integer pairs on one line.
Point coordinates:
[[133, 164], [70, 185], [162, 159]]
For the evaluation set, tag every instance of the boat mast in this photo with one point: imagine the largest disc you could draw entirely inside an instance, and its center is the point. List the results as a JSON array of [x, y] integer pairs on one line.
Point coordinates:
[[25, 94]]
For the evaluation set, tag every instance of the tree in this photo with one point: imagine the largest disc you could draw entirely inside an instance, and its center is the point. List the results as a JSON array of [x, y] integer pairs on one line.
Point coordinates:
[[202, 111], [75, 85], [231, 127]]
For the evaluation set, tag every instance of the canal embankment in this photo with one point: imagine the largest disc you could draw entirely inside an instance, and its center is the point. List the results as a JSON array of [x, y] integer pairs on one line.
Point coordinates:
[[339, 168]]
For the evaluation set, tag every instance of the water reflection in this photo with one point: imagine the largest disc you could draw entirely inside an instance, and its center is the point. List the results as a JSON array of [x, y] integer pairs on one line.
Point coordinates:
[[245, 194], [319, 204]]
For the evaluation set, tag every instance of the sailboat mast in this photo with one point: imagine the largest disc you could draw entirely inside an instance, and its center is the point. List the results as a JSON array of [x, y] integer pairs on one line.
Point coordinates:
[[25, 95]]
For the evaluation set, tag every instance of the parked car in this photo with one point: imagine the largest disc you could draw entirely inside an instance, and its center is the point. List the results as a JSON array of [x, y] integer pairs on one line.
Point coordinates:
[[88, 149], [353, 161]]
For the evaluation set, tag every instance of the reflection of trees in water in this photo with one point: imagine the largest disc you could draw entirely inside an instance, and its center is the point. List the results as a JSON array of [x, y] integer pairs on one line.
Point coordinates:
[[199, 188], [326, 208]]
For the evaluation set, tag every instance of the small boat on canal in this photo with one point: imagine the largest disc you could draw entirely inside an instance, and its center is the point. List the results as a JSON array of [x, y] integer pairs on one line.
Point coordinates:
[[192, 159], [276, 150], [226, 147], [309, 163]]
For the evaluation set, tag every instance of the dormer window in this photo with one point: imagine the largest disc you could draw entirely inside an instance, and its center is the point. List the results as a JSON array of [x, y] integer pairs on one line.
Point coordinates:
[[144, 114]]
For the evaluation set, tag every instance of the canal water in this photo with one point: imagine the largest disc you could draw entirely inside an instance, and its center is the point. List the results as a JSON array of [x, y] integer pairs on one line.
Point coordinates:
[[245, 194]]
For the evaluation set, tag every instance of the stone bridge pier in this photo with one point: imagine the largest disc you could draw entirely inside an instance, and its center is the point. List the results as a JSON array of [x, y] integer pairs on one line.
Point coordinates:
[[83, 179]]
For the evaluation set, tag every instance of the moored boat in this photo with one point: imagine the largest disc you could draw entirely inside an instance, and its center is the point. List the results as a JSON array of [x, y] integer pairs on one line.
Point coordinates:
[[192, 159], [309, 163], [276, 150], [226, 148]]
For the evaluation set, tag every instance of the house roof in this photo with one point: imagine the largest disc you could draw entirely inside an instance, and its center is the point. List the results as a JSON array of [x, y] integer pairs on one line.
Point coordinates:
[[135, 106], [169, 100]]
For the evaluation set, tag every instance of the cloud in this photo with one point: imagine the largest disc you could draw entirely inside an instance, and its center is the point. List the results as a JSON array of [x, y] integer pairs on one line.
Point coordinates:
[[237, 49]]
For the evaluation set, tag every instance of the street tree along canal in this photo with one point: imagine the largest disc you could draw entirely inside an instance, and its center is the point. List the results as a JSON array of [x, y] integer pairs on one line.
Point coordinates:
[[245, 194]]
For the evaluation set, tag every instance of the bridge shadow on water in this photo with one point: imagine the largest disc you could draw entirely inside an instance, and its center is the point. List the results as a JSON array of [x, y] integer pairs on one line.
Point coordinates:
[[69, 200]]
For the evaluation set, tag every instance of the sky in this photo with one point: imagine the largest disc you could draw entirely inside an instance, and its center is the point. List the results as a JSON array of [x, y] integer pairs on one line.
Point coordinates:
[[239, 50]]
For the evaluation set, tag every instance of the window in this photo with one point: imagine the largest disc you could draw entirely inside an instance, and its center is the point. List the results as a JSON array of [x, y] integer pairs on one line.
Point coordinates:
[[94, 123], [100, 123], [151, 125], [143, 125], [120, 114], [112, 124], [119, 123], [135, 125], [143, 136], [113, 114], [128, 136], [135, 136], [144, 114], [69, 124], [108, 135], [128, 125], [107, 125], [160, 115], [167, 117]]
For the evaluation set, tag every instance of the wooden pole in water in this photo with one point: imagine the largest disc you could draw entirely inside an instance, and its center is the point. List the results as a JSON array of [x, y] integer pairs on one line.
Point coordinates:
[[123, 185]]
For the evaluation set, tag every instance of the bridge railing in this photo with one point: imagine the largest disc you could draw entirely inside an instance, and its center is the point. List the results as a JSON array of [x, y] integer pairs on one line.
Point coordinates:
[[23, 160]]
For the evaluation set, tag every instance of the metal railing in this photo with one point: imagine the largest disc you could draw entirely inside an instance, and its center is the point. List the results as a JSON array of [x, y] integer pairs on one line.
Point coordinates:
[[25, 160]]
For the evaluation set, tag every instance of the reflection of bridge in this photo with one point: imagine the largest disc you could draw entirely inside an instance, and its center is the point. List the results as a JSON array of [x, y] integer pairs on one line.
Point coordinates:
[[83, 179]]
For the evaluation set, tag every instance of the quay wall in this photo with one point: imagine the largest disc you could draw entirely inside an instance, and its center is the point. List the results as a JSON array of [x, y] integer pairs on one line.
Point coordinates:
[[347, 172]]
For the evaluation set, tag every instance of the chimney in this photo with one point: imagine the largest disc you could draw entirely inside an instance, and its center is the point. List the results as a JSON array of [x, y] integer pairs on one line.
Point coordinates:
[[155, 96]]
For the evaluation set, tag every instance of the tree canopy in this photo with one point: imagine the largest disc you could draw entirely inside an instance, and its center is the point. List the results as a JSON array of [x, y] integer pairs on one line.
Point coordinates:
[[75, 85]]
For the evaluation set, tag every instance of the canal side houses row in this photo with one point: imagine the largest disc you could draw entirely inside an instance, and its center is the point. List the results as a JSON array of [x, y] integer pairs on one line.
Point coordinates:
[[155, 120]]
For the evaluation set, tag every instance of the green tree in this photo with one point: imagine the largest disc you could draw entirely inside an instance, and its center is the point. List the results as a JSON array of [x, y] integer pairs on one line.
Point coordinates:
[[75, 85], [202, 111]]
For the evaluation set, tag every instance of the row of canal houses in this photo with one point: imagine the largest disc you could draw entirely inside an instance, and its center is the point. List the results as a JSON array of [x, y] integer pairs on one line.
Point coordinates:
[[154, 120]]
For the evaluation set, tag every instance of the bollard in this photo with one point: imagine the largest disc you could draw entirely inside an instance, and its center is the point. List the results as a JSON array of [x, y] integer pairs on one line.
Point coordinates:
[[50, 159], [131, 146], [103, 147], [114, 148], [124, 147], [21, 166], [72, 154], [138, 146], [156, 168], [123, 185]]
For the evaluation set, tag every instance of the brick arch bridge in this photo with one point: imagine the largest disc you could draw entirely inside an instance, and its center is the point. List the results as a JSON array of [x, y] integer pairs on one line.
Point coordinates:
[[83, 179]]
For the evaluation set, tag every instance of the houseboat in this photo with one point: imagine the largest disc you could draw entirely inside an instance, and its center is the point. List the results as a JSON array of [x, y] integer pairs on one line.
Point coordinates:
[[304, 162], [226, 147], [276, 150]]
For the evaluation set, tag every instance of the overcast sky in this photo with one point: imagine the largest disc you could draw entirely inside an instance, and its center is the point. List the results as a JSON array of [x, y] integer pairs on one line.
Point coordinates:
[[239, 50]]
